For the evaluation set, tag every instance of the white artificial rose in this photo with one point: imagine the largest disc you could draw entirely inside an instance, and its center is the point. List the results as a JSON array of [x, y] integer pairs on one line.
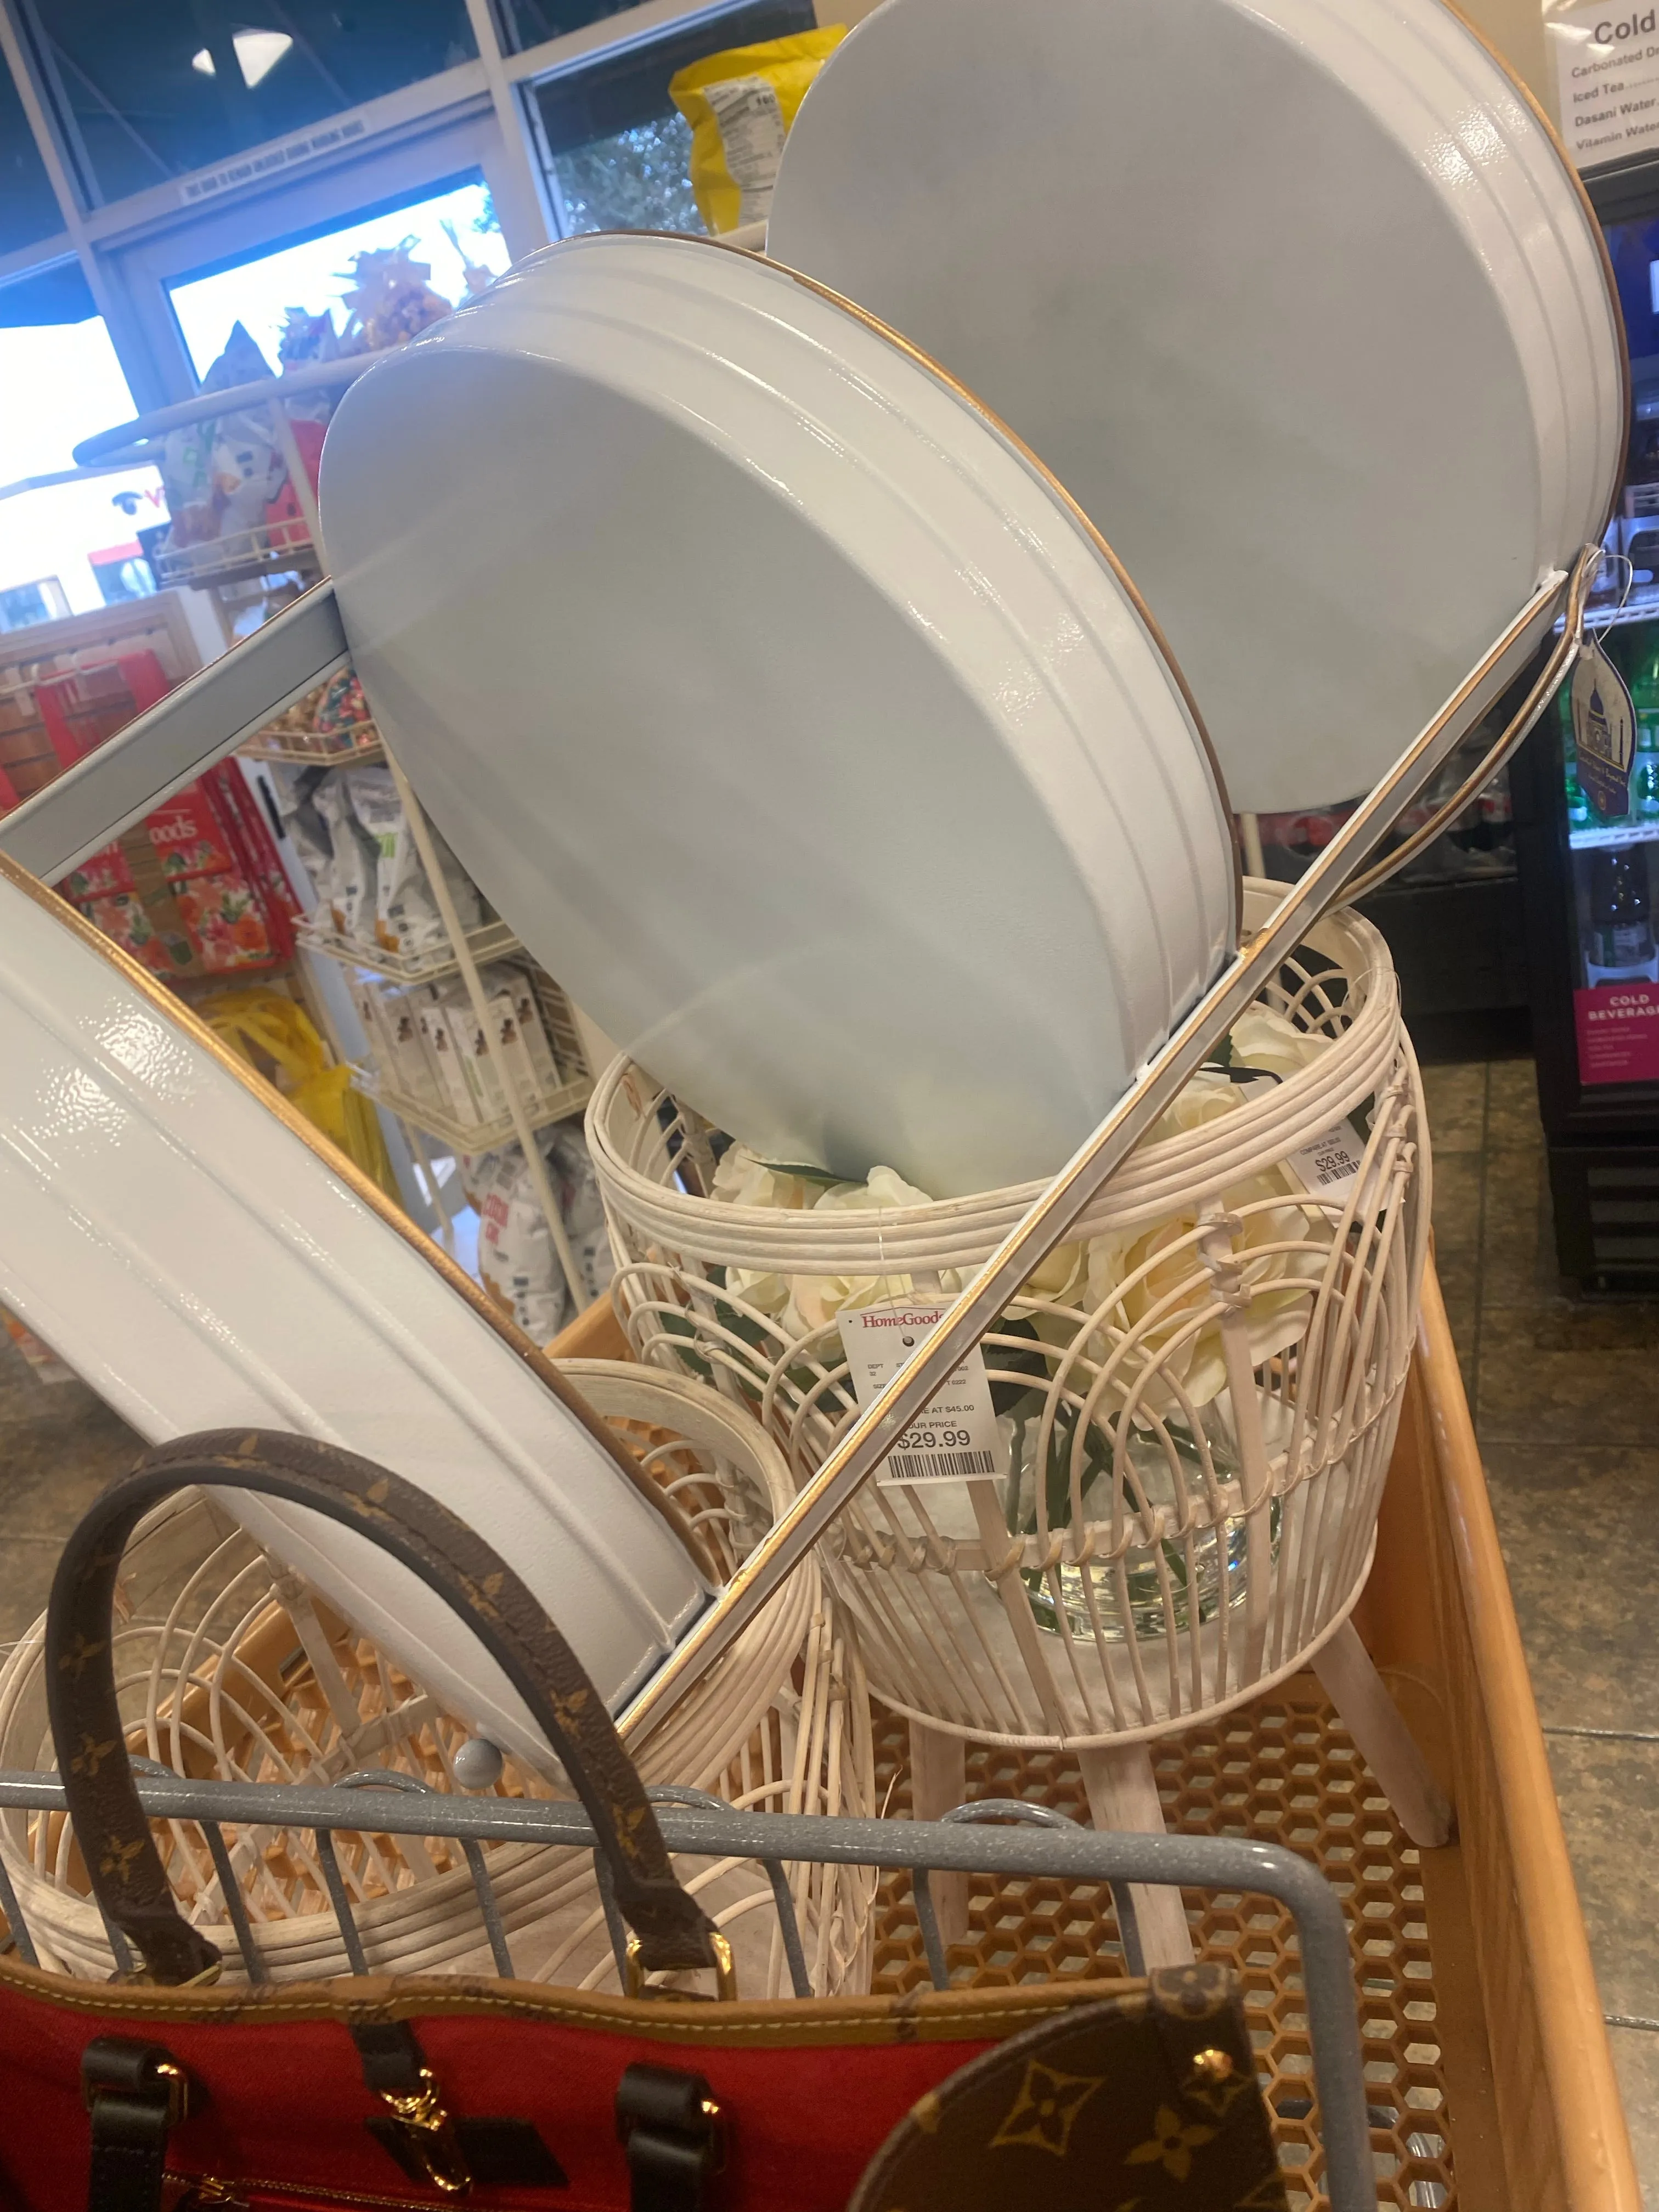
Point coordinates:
[[1264, 1038], [1132, 1274], [741, 1179]]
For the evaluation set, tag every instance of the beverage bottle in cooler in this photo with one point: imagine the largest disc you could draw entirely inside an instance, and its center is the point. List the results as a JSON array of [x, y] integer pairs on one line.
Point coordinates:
[[1644, 773], [1578, 807], [1645, 698], [1621, 947]]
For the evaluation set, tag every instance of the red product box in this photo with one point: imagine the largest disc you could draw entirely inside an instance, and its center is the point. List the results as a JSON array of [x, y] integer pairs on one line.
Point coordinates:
[[125, 917], [101, 875], [225, 925], [187, 835]]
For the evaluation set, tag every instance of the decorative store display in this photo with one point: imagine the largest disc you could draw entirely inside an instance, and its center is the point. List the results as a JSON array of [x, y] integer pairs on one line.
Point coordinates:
[[1209, 314], [863, 514]]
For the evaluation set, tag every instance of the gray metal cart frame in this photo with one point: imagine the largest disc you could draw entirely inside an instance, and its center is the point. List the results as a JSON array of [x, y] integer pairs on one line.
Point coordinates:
[[1007, 1838]]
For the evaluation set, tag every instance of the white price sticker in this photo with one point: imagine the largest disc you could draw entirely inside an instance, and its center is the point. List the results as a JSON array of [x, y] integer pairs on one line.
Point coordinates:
[[955, 1439], [1329, 1167]]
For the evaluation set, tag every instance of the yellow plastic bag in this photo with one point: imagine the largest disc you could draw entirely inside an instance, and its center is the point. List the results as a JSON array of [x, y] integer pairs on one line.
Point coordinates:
[[279, 1041], [740, 105]]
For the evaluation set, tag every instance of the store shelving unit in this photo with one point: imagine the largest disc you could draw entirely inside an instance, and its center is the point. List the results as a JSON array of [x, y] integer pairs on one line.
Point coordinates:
[[543, 1109], [242, 557], [493, 941], [1616, 834], [362, 748]]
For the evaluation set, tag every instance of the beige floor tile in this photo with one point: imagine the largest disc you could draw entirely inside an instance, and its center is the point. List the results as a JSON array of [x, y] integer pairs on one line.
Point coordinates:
[[1580, 1531], [1608, 1793], [1636, 2060], [1456, 1097], [1512, 1122]]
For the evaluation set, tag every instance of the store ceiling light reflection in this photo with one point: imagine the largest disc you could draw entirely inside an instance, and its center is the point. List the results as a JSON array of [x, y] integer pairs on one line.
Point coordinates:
[[257, 53]]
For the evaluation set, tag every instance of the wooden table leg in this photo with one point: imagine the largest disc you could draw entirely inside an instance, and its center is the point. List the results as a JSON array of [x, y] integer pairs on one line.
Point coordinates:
[[1122, 1793], [939, 1784], [1351, 1681]]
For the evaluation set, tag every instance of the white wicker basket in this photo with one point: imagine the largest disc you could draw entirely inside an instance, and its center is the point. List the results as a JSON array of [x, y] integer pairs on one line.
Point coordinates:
[[227, 1667], [1210, 1377]]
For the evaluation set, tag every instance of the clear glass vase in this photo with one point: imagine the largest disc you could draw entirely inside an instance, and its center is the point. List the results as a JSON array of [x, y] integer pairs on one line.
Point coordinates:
[[1197, 1575]]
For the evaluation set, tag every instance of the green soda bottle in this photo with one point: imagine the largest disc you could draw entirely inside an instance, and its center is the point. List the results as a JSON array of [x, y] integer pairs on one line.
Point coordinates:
[[1644, 698], [1578, 807]]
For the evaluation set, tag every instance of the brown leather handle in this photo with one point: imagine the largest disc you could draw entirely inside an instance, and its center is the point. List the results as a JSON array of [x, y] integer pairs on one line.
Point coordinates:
[[127, 1875]]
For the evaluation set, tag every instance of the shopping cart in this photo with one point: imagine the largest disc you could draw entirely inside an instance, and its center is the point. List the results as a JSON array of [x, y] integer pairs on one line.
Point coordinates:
[[1009, 1840]]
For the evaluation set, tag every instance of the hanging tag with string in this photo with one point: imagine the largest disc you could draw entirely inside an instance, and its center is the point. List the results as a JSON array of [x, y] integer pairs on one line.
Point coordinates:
[[1603, 730]]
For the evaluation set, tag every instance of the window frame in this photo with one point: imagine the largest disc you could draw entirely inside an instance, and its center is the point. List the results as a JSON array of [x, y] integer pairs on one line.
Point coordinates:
[[478, 114]]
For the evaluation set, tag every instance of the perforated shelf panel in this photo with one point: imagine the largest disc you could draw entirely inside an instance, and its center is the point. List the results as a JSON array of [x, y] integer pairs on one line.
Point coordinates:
[[1284, 1770]]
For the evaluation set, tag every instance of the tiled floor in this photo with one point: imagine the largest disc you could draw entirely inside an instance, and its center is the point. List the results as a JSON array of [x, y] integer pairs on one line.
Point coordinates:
[[1567, 1405]]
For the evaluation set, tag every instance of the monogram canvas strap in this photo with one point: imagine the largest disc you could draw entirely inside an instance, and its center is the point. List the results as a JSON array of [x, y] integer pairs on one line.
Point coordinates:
[[127, 1875]]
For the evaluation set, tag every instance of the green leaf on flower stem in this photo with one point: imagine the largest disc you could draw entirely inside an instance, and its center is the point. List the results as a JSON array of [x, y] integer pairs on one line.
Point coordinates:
[[825, 1176], [678, 1325], [1005, 1397]]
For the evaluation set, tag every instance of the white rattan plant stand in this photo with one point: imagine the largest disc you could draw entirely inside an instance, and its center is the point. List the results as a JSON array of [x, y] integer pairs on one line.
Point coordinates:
[[1198, 1400], [230, 1671]]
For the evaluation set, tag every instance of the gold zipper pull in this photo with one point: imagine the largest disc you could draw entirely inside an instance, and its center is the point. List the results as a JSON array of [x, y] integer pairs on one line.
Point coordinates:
[[428, 2134], [205, 2192]]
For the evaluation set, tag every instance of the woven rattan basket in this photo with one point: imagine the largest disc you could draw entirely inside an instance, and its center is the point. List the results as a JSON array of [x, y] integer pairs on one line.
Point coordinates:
[[1198, 1397], [228, 1667]]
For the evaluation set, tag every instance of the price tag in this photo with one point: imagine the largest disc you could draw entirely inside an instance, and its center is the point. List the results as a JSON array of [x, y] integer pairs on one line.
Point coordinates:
[[956, 1438], [1329, 1167], [1604, 731]]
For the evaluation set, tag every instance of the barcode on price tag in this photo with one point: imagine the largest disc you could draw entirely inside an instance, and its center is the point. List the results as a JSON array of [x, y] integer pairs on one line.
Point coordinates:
[[955, 1439]]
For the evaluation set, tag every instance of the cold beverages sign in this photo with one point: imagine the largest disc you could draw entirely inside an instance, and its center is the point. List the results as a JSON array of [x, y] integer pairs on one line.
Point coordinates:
[[1607, 74], [1618, 1028]]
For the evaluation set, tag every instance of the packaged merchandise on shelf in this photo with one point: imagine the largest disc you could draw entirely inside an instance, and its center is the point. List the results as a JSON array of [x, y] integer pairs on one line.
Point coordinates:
[[455, 1093], [519, 1030], [150, 929], [341, 705], [188, 838], [196, 887], [348, 889], [740, 105], [406, 919], [576, 1186], [101, 875], [220, 475], [518, 1260], [430, 1048]]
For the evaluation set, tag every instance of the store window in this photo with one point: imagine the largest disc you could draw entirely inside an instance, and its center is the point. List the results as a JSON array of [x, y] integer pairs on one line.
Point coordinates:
[[617, 151], [149, 94], [62, 546], [452, 232], [525, 23], [28, 207]]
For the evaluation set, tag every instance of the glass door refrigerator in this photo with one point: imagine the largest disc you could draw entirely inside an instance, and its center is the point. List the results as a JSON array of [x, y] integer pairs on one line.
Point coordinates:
[[1587, 842]]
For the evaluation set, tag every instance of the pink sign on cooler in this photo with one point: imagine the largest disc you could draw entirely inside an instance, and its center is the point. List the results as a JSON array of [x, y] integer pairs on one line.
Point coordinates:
[[1618, 1026]]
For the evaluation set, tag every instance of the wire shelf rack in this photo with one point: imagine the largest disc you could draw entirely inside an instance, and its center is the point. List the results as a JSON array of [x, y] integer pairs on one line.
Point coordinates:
[[493, 941], [472, 1136]]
